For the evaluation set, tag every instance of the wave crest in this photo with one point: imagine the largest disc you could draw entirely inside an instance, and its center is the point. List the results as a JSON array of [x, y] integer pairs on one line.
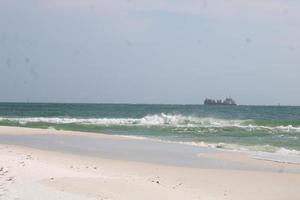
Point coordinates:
[[162, 120]]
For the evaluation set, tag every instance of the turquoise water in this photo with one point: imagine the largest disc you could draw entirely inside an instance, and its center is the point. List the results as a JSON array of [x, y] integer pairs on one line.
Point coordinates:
[[256, 128]]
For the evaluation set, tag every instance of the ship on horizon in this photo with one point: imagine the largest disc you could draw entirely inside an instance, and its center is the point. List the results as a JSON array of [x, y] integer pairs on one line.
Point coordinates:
[[227, 102]]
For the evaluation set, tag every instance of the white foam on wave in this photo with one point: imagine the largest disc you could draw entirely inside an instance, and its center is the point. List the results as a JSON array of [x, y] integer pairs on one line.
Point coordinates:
[[158, 119], [177, 121], [266, 152], [161, 119], [260, 152], [281, 155]]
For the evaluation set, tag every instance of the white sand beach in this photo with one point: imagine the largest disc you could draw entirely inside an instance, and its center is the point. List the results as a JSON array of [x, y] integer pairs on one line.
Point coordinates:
[[29, 173]]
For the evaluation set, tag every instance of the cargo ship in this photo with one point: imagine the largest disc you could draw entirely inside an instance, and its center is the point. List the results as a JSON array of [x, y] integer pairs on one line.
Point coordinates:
[[227, 102]]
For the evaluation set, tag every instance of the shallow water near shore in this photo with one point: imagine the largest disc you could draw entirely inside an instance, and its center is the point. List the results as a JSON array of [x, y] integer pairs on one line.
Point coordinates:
[[137, 150], [271, 129]]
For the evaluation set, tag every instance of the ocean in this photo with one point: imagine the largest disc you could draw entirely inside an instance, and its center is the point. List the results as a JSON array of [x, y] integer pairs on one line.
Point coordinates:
[[270, 129]]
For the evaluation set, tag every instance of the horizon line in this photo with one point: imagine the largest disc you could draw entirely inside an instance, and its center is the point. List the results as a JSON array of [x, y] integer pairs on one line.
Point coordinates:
[[127, 103]]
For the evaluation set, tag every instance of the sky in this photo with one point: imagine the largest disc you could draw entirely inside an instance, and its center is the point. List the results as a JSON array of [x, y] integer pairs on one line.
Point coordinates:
[[158, 51]]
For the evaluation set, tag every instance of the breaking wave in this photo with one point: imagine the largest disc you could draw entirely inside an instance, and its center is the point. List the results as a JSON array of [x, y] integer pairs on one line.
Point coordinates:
[[269, 140], [281, 155], [164, 120]]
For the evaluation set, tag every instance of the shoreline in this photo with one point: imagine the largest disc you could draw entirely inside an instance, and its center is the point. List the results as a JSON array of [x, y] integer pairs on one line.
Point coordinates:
[[32, 172], [56, 140], [284, 156]]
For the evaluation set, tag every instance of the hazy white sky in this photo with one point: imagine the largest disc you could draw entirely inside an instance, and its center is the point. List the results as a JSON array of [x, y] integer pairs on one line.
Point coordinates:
[[158, 51]]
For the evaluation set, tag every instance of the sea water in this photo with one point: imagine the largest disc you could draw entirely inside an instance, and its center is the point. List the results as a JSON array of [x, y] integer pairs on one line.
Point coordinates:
[[266, 129]]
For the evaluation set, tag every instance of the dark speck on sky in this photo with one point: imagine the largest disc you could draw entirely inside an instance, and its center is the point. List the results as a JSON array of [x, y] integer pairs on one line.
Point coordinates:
[[27, 60], [33, 72], [92, 7], [8, 62], [3, 37], [129, 43], [204, 3], [291, 48], [34, 43], [248, 40]]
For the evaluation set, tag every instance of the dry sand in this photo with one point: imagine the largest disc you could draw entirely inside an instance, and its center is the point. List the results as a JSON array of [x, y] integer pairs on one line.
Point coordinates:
[[29, 174]]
